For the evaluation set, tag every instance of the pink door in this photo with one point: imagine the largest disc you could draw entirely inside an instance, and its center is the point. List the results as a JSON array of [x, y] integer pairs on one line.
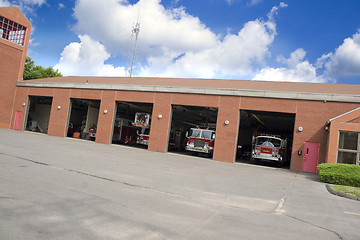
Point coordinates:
[[17, 120], [311, 155]]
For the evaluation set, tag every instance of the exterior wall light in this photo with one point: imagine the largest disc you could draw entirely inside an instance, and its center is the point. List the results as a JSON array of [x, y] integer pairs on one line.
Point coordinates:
[[160, 116], [300, 129], [59, 107], [105, 111], [226, 122], [23, 104]]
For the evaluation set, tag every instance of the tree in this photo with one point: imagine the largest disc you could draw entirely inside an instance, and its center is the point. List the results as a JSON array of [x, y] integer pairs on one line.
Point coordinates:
[[32, 71]]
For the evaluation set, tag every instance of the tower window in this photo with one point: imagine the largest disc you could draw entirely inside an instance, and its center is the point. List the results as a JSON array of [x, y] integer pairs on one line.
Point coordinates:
[[12, 31]]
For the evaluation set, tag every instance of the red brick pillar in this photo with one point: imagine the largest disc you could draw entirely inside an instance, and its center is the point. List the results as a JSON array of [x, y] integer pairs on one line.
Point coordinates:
[[159, 130], [226, 134], [106, 118], [59, 113]]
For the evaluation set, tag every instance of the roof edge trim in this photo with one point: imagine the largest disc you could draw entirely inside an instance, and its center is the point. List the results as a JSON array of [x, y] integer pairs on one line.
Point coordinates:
[[206, 91], [356, 109]]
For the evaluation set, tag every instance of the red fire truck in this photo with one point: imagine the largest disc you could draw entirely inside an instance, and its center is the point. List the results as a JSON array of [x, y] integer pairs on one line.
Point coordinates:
[[200, 140], [124, 131], [142, 120], [269, 148]]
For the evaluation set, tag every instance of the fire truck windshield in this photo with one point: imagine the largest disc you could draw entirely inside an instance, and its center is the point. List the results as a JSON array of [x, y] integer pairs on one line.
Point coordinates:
[[207, 134], [195, 133], [268, 142], [201, 133]]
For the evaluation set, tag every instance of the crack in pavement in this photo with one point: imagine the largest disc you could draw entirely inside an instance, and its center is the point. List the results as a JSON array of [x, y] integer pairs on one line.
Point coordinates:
[[282, 200], [95, 176], [5, 197], [311, 224], [277, 210]]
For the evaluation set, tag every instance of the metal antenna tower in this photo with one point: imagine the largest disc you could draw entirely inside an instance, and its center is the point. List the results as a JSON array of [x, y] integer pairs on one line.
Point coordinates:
[[134, 36]]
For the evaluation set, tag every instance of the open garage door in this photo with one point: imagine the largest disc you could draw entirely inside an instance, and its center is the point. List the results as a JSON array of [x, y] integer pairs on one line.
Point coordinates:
[[132, 124], [193, 130], [37, 119], [83, 118], [268, 135]]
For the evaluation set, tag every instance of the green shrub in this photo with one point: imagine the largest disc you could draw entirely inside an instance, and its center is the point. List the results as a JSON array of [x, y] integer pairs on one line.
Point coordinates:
[[340, 174]]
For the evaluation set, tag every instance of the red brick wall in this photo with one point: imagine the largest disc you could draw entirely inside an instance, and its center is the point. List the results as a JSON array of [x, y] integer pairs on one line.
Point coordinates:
[[12, 60], [344, 123], [310, 115]]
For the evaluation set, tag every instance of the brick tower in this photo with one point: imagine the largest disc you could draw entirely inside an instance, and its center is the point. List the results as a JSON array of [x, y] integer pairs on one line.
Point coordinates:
[[14, 40]]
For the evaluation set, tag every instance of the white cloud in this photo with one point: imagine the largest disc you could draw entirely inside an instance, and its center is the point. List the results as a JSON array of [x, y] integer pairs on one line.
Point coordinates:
[[34, 2], [254, 2], [87, 58], [234, 55], [297, 70], [230, 1], [26, 6], [112, 21], [173, 43], [248, 2], [61, 6], [4, 3], [345, 61], [230, 57]]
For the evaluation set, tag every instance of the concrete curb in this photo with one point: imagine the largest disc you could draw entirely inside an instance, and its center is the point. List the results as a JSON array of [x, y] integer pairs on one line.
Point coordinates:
[[345, 195]]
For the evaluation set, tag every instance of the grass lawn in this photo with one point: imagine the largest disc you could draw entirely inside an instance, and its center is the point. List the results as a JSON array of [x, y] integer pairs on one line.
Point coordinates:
[[346, 189]]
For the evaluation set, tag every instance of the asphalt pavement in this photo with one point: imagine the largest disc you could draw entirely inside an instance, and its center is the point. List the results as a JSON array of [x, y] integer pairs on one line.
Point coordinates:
[[63, 188]]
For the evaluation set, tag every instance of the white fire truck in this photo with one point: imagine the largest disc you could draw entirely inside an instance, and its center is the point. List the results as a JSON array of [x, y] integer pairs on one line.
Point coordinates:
[[200, 140], [142, 120], [269, 148]]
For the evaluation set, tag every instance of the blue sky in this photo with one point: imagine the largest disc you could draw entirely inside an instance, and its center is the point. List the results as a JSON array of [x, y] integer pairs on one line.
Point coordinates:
[[289, 40]]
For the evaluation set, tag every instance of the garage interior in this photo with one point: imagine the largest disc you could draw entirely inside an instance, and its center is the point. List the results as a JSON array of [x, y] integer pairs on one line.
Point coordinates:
[[183, 119], [83, 118], [37, 119], [253, 123], [124, 132]]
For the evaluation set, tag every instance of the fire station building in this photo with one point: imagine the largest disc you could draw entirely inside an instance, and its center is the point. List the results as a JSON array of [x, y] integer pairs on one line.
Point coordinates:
[[321, 122]]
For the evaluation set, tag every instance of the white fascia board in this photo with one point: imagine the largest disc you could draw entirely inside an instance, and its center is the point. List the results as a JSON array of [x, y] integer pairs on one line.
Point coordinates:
[[356, 109]]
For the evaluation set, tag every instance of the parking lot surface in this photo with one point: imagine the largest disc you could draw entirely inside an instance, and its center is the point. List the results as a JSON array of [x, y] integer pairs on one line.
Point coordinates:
[[61, 188]]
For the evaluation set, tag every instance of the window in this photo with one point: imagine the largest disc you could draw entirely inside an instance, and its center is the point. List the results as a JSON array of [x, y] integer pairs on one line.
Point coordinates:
[[349, 148], [268, 142], [195, 133], [207, 134], [12, 31]]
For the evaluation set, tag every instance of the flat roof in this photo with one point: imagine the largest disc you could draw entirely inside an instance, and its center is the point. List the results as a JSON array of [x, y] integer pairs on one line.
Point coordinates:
[[212, 83], [251, 88]]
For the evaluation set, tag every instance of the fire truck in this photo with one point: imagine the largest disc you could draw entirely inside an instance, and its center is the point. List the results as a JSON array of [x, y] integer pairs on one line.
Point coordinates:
[[124, 131], [200, 140], [142, 120], [269, 148]]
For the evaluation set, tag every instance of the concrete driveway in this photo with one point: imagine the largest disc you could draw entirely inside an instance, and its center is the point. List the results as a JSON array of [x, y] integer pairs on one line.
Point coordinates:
[[60, 188]]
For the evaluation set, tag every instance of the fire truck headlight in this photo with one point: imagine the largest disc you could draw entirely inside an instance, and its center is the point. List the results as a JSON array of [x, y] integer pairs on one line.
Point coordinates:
[[275, 152]]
